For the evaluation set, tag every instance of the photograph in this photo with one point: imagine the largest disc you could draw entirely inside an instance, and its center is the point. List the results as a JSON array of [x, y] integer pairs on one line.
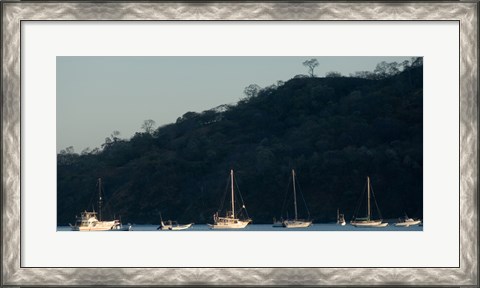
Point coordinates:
[[252, 143]]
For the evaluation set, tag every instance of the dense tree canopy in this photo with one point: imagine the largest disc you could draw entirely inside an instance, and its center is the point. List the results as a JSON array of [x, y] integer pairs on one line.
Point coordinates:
[[334, 131]]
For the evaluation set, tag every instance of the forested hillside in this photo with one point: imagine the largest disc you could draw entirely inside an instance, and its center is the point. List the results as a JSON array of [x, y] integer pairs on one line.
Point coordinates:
[[333, 131]]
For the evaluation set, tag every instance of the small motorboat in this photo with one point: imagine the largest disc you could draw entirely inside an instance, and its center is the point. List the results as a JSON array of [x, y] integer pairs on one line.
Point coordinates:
[[173, 225], [407, 222]]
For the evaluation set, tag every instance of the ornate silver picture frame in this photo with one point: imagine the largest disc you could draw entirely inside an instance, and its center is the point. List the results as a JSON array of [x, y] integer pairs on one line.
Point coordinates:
[[14, 12]]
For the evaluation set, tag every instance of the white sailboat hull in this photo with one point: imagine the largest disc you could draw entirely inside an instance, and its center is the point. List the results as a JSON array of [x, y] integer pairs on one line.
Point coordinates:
[[297, 224], [371, 223], [236, 224]]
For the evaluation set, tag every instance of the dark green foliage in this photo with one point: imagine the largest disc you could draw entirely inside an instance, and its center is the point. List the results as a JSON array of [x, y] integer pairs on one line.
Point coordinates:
[[334, 131]]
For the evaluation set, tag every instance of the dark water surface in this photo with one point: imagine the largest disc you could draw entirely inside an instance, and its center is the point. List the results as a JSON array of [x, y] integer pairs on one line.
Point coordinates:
[[264, 227]]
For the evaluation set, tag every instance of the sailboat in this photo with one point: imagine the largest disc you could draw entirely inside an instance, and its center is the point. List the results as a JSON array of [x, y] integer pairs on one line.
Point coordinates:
[[340, 218], [230, 220], [368, 221], [296, 223], [92, 221]]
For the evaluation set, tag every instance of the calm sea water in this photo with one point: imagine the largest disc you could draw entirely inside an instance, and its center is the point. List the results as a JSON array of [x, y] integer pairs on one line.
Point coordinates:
[[266, 227]]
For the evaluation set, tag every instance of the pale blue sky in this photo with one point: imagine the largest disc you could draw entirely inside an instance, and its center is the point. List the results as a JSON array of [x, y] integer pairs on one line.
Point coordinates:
[[97, 95]]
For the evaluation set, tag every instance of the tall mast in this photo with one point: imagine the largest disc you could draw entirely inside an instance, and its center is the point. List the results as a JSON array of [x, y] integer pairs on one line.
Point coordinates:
[[294, 194], [233, 200], [368, 198], [100, 199]]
